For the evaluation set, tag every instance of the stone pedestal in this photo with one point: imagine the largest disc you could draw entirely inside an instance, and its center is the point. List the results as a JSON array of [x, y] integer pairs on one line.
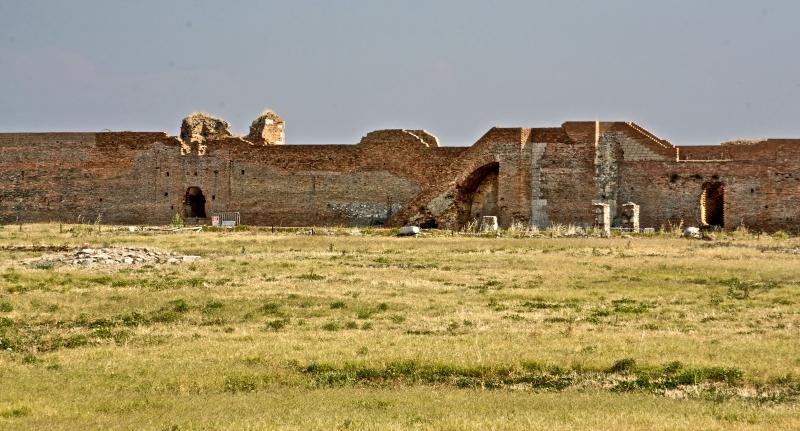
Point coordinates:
[[489, 224], [602, 218], [630, 216]]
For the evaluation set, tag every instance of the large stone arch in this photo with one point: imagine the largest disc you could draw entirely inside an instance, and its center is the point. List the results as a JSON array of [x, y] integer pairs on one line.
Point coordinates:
[[477, 194]]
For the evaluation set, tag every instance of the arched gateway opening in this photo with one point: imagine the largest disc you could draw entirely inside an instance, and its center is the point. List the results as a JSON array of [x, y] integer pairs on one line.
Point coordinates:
[[477, 195], [195, 203], [712, 205]]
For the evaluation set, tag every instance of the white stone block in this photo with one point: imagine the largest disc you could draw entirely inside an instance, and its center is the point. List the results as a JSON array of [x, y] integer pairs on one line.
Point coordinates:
[[409, 230]]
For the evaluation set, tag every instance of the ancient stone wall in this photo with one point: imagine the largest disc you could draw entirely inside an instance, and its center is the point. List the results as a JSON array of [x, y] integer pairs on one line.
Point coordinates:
[[536, 177], [568, 174], [142, 178]]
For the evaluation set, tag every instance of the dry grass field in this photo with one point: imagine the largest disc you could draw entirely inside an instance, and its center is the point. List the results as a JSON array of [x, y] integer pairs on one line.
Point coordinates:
[[338, 331]]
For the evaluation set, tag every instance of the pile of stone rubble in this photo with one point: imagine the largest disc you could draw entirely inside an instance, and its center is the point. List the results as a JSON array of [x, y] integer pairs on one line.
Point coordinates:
[[112, 256]]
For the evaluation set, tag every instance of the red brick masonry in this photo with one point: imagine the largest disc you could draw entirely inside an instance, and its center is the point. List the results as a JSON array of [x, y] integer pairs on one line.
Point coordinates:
[[393, 177]]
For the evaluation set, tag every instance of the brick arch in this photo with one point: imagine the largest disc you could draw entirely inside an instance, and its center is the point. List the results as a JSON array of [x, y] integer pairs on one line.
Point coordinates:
[[476, 193]]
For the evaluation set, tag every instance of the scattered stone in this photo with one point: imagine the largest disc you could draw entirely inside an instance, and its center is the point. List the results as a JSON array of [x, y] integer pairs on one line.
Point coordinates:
[[408, 231], [110, 256], [692, 232]]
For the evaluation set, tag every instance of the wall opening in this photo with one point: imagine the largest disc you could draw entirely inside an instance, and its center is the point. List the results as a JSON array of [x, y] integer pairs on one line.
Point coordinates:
[[712, 204], [478, 194], [195, 203]]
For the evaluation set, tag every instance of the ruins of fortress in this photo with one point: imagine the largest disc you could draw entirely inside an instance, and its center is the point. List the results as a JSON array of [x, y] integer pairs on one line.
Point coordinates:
[[534, 176]]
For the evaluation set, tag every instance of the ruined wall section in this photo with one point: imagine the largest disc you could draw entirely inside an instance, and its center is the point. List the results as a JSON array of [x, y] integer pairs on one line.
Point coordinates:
[[142, 178], [549, 175], [539, 218], [620, 142], [567, 175], [267, 129], [608, 153], [71, 176], [544, 176], [442, 202], [326, 184], [761, 185]]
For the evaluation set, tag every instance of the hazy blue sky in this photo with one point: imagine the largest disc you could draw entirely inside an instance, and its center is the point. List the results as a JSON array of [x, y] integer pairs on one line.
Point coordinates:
[[691, 71]]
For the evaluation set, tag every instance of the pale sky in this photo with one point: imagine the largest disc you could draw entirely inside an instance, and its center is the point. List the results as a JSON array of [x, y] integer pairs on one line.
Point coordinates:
[[693, 72]]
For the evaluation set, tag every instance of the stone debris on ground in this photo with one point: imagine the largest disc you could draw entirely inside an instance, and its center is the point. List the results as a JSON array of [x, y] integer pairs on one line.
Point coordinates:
[[408, 231], [692, 232], [112, 256]]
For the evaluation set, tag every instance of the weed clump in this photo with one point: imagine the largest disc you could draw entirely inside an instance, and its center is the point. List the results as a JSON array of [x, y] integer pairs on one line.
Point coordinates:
[[270, 308], [277, 324], [739, 289], [212, 306], [16, 412], [364, 313], [531, 375], [623, 366], [626, 305], [331, 326], [244, 383], [413, 372], [179, 306], [311, 276]]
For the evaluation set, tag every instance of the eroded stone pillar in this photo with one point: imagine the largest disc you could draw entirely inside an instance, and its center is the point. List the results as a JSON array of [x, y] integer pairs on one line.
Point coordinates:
[[602, 218], [489, 224], [630, 216]]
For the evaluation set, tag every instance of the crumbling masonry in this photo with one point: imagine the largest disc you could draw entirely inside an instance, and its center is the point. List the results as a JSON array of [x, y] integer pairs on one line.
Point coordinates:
[[534, 176]]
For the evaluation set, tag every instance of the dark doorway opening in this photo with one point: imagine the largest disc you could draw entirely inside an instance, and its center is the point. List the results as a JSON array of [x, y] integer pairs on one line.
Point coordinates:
[[195, 203], [712, 204]]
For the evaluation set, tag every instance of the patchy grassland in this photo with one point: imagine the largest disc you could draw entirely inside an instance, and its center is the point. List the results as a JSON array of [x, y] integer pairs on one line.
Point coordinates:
[[371, 332]]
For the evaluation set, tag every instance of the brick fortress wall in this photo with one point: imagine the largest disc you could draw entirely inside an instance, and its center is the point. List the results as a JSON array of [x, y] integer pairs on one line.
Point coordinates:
[[533, 177]]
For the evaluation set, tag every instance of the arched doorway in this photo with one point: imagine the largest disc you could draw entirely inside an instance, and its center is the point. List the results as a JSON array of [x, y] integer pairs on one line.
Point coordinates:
[[477, 195], [195, 203], [712, 204]]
